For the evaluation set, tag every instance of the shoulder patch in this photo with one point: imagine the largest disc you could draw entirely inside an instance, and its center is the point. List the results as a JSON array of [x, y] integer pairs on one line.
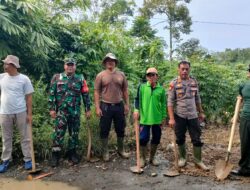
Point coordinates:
[[171, 86]]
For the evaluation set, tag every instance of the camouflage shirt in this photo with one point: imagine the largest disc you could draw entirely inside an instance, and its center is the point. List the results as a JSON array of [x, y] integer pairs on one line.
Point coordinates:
[[65, 93]]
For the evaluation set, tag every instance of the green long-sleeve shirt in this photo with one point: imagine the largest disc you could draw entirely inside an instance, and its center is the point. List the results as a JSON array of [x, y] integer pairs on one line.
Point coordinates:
[[151, 104], [244, 91]]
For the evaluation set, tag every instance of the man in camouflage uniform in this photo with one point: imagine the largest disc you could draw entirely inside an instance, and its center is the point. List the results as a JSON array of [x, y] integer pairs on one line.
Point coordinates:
[[183, 95], [65, 94]]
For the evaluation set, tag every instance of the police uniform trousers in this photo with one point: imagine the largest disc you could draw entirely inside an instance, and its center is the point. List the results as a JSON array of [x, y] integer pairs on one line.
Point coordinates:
[[193, 127]]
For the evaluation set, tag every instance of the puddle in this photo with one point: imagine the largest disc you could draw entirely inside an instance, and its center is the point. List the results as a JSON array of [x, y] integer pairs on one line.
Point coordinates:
[[12, 184]]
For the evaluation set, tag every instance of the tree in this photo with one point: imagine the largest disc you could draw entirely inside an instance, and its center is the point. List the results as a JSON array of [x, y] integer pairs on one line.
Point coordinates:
[[22, 24], [112, 11], [190, 48], [233, 56], [61, 10], [177, 17], [141, 28]]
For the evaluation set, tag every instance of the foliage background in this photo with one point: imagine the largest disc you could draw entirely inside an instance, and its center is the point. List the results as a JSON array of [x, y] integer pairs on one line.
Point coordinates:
[[43, 33]]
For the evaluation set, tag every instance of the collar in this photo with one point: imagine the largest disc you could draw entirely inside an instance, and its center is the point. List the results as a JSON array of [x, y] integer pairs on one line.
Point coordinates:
[[157, 84], [65, 75], [180, 80]]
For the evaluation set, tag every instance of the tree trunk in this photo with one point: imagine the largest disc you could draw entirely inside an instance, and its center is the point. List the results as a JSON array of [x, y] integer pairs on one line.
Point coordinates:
[[170, 42]]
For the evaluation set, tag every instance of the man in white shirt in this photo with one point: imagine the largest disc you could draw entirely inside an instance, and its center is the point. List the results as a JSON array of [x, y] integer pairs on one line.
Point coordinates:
[[15, 110]]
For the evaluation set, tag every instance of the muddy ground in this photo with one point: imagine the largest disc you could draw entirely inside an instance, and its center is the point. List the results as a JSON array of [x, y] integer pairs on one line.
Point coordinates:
[[116, 173]]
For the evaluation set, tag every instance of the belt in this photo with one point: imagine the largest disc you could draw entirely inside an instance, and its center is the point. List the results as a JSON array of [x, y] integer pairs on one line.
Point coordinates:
[[112, 104]]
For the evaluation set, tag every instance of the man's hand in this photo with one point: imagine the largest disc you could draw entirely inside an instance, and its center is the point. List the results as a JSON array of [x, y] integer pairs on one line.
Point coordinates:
[[171, 123], [163, 123], [202, 116], [136, 115], [88, 114], [98, 112], [126, 109], [52, 114]]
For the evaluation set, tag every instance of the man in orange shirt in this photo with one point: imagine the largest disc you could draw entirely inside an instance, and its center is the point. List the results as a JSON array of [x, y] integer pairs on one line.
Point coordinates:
[[111, 103]]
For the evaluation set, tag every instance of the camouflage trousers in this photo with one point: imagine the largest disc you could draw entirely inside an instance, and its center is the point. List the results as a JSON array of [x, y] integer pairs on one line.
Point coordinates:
[[62, 123]]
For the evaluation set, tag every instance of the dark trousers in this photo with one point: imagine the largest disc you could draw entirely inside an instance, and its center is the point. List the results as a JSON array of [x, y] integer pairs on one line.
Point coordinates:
[[145, 134], [245, 143], [193, 127], [112, 112]]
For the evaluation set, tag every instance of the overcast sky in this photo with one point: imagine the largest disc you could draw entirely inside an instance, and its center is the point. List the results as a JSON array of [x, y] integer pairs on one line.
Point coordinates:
[[234, 33]]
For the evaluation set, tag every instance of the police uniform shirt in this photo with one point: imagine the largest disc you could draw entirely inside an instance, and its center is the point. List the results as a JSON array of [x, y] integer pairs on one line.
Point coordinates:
[[184, 95]]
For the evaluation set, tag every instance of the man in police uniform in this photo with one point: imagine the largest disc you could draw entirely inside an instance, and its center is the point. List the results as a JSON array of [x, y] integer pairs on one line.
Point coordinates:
[[65, 94], [183, 103]]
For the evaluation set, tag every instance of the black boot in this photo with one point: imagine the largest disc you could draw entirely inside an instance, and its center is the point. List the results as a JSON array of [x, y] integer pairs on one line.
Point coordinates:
[[73, 156], [241, 172], [55, 158]]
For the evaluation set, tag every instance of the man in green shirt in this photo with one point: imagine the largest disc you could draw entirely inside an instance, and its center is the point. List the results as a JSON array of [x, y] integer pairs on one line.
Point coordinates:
[[150, 107], [244, 163]]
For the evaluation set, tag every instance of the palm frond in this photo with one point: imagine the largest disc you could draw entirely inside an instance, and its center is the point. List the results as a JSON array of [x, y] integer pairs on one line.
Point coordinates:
[[6, 23]]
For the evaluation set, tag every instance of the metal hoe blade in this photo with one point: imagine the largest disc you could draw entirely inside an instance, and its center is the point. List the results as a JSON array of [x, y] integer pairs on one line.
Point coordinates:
[[135, 169], [36, 171], [172, 173]]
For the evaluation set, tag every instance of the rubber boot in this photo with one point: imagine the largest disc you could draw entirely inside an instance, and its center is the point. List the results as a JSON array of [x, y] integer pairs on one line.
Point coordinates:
[[197, 158], [143, 153], [120, 144], [73, 156], [55, 158], [182, 155], [105, 151], [152, 158]]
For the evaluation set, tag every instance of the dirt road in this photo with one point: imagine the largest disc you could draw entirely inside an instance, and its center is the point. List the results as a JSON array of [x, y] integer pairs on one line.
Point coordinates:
[[116, 174]]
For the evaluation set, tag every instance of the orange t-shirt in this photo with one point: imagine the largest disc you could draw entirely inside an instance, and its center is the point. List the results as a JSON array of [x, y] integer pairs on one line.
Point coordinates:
[[111, 86]]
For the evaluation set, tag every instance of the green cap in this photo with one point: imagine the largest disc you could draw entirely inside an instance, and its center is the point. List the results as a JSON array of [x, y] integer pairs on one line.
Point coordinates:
[[69, 60]]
